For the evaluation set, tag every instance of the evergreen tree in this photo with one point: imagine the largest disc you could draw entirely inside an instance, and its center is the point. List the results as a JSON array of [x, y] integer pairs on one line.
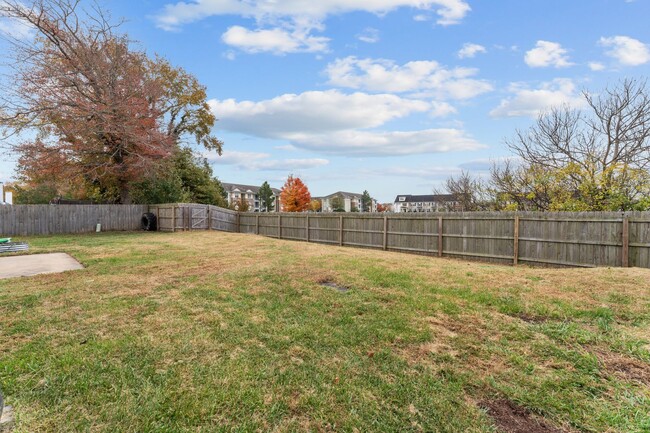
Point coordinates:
[[366, 202], [267, 198]]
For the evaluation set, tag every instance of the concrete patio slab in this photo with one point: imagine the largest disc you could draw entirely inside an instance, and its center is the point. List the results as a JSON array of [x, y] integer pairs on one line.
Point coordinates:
[[35, 264]]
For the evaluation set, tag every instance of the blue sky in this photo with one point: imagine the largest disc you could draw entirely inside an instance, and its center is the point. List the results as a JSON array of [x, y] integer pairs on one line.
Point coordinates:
[[391, 96]]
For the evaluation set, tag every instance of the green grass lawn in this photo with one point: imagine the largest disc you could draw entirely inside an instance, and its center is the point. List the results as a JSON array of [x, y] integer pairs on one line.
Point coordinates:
[[203, 332]]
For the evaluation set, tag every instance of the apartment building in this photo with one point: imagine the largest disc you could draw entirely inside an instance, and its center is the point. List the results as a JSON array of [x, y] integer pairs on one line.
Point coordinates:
[[426, 203], [351, 202], [249, 193]]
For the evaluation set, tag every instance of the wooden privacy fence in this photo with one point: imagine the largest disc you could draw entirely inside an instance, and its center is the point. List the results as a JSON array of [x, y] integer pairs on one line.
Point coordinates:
[[189, 216], [29, 220], [562, 238], [566, 239]]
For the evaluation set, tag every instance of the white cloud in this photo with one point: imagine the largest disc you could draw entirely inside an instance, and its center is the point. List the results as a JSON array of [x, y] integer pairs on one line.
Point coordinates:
[[175, 15], [315, 111], [262, 161], [442, 109], [531, 102], [470, 50], [371, 143], [277, 40], [596, 66], [627, 51], [380, 75], [422, 172], [14, 28], [287, 26], [334, 122], [369, 35], [547, 54]]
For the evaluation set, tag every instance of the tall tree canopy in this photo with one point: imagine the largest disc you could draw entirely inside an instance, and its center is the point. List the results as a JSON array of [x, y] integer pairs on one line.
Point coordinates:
[[295, 196], [104, 115], [186, 179], [267, 198], [590, 159], [337, 203], [366, 202]]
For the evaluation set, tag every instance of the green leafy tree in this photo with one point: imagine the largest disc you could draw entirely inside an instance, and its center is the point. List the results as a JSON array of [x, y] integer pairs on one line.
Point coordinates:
[[187, 178], [337, 203], [41, 193], [366, 202], [267, 198]]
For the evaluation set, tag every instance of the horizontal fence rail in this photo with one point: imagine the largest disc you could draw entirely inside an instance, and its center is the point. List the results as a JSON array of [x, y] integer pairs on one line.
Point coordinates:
[[47, 219], [586, 239], [188, 216]]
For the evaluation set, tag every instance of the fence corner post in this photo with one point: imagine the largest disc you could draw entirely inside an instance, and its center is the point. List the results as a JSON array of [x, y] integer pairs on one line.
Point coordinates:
[[341, 230], [439, 236], [280, 226], [238, 223], [257, 224], [385, 232], [307, 227], [515, 253], [173, 219], [626, 242]]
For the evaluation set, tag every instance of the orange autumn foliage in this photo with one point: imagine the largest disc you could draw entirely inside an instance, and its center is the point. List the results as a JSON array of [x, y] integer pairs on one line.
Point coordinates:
[[295, 196]]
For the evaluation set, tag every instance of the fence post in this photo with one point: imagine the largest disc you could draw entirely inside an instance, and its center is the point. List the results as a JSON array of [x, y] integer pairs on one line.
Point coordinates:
[[341, 230], [280, 226], [626, 242], [439, 236], [257, 224], [385, 232], [515, 260], [307, 219], [173, 219], [238, 224], [209, 217]]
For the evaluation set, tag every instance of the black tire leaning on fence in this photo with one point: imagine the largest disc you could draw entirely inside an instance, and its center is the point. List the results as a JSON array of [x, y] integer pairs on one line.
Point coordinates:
[[149, 222]]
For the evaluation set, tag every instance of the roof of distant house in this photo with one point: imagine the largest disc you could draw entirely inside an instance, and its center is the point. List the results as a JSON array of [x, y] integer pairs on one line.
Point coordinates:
[[431, 198], [230, 187], [343, 194]]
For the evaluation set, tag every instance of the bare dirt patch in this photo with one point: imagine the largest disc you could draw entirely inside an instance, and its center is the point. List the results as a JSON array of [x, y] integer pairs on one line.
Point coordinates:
[[333, 285], [627, 368], [511, 418]]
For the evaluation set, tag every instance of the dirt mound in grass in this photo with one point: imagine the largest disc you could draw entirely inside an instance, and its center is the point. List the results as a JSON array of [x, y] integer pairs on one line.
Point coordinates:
[[510, 418], [628, 368]]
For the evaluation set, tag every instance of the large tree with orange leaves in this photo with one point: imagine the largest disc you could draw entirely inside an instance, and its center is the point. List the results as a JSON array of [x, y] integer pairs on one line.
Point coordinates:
[[96, 115], [295, 196]]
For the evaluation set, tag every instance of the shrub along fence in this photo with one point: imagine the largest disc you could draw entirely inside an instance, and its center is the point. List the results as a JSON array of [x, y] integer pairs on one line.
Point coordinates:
[[585, 239], [46, 219]]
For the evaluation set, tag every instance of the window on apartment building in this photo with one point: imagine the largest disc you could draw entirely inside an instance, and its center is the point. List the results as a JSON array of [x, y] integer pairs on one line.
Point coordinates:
[[402, 199]]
